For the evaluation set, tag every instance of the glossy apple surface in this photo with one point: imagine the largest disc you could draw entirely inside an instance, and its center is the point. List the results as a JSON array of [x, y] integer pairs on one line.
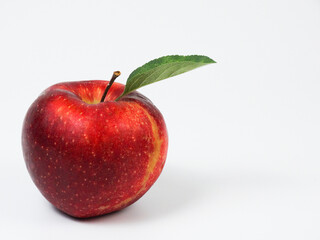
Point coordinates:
[[89, 158]]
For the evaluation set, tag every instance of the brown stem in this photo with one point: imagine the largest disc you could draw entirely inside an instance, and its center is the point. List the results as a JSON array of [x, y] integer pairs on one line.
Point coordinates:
[[114, 76]]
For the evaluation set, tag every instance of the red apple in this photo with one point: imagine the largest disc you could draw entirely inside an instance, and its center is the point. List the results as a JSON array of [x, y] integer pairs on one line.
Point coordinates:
[[89, 158], [92, 147]]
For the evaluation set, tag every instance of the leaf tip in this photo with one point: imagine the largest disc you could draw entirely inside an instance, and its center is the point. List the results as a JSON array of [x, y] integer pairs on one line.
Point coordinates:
[[203, 58]]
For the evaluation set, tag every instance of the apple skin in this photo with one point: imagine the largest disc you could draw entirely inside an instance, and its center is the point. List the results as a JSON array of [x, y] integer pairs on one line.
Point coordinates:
[[89, 158]]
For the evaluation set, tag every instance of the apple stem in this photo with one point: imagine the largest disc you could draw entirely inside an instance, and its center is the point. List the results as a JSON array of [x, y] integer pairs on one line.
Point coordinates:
[[114, 76]]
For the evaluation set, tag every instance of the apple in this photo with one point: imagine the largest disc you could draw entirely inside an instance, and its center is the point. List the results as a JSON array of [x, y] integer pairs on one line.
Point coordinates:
[[94, 147], [90, 159]]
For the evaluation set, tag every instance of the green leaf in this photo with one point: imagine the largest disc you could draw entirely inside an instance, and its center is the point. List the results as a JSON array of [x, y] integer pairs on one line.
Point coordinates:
[[162, 68]]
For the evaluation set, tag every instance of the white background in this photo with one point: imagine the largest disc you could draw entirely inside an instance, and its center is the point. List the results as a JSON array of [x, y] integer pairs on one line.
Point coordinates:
[[244, 159]]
